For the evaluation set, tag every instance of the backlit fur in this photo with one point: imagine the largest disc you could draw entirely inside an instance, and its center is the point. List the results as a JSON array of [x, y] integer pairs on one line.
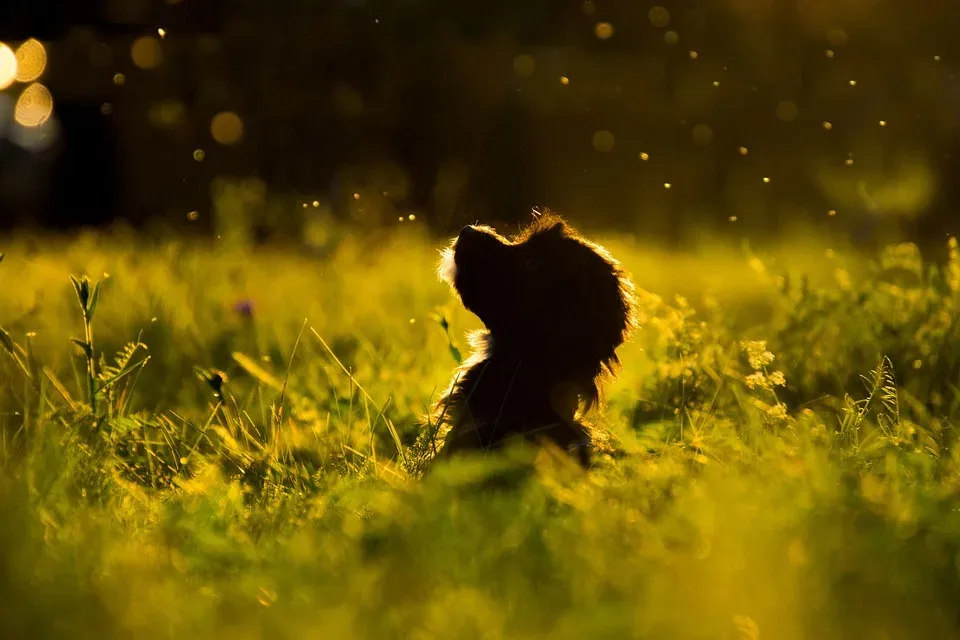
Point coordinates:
[[556, 307]]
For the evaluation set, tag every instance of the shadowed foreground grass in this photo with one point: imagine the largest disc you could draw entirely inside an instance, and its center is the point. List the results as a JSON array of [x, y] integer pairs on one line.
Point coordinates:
[[782, 461]]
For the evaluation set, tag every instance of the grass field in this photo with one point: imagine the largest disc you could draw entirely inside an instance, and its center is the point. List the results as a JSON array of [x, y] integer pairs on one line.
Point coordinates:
[[783, 460]]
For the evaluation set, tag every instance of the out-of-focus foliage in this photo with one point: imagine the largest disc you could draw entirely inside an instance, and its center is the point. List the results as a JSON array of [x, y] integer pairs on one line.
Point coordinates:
[[783, 458]]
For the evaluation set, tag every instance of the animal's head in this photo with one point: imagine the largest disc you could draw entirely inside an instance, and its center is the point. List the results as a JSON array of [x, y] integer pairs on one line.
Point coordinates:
[[547, 294]]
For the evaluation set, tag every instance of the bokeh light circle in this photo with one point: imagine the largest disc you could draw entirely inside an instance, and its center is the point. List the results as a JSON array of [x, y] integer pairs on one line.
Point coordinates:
[[787, 111], [226, 128], [603, 141], [603, 30], [524, 65], [659, 17], [31, 61], [34, 106], [146, 52], [8, 66], [702, 134]]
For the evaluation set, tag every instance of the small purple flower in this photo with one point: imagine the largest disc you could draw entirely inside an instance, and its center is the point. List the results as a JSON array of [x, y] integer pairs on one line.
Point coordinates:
[[243, 308]]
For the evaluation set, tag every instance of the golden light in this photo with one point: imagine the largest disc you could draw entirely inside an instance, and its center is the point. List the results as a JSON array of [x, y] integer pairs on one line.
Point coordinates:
[[766, 180], [732, 218], [694, 55], [828, 125], [853, 83], [34, 106], [146, 52], [604, 30], [716, 83], [162, 32], [31, 61], [644, 156], [667, 185], [193, 216], [743, 151], [564, 80], [8, 66], [119, 79], [603, 141], [226, 128], [883, 123], [199, 155]]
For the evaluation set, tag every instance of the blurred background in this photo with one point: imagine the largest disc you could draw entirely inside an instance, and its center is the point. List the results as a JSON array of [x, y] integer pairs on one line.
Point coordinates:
[[672, 119]]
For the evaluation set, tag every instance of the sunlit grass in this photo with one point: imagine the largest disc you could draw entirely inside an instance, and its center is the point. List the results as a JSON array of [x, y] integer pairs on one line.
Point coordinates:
[[781, 460]]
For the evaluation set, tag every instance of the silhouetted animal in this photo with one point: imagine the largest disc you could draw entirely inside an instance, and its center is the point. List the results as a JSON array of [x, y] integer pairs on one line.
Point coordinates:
[[555, 307]]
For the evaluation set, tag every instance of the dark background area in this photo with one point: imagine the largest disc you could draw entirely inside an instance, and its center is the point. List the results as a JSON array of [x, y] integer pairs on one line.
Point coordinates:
[[760, 114]]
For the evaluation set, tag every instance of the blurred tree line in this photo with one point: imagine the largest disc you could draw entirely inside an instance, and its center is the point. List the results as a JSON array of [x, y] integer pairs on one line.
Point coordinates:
[[671, 117]]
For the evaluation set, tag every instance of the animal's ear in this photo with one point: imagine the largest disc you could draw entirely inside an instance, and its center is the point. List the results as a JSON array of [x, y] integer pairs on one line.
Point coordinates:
[[545, 223], [552, 227]]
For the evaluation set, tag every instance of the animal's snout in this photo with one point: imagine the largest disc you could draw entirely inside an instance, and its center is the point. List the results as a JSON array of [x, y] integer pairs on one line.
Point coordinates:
[[467, 232], [478, 243], [469, 239]]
